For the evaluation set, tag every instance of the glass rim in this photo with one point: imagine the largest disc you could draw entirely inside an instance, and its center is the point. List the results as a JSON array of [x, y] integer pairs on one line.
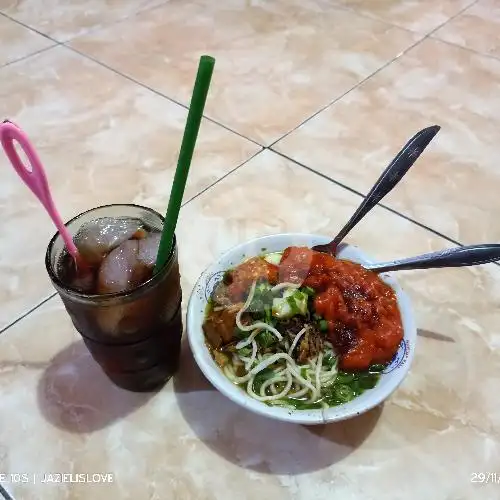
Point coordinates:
[[93, 297]]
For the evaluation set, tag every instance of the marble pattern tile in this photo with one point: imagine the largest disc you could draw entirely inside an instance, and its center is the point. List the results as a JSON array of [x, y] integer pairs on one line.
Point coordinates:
[[417, 15], [18, 41], [189, 441], [277, 62], [453, 187], [103, 140], [477, 28], [65, 19]]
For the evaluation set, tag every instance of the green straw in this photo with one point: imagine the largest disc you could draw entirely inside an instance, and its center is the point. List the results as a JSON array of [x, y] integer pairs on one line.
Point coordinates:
[[200, 91]]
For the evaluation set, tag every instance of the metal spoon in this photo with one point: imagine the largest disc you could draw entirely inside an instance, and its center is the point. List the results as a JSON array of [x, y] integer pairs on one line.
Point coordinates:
[[385, 183], [472, 255]]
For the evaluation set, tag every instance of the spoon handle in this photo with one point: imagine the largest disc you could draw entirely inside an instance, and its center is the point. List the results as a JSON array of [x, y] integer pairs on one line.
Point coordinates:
[[33, 175], [452, 257], [390, 177]]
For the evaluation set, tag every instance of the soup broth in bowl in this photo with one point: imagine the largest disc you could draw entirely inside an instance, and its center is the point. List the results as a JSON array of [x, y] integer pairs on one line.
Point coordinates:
[[298, 335]]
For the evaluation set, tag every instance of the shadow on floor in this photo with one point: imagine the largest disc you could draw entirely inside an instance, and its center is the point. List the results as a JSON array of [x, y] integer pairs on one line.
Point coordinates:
[[258, 443], [75, 395]]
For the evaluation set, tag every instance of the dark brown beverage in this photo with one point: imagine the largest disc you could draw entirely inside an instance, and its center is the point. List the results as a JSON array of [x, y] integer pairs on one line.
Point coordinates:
[[129, 316]]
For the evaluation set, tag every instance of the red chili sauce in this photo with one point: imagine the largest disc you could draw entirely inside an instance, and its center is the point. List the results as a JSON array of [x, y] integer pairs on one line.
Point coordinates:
[[364, 323]]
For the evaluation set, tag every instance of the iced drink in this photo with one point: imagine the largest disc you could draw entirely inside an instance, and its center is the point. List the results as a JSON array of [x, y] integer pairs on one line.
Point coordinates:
[[129, 316]]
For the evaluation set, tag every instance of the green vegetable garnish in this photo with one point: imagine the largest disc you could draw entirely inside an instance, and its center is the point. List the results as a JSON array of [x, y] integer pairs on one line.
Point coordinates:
[[308, 290], [323, 325], [265, 339], [263, 297], [300, 404], [261, 377], [329, 361], [376, 368], [344, 378], [240, 334], [245, 351], [268, 316], [293, 305], [273, 258], [343, 393], [368, 380]]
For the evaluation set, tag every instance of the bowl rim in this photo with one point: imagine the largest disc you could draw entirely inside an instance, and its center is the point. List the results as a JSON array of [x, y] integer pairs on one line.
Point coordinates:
[[308, 417]]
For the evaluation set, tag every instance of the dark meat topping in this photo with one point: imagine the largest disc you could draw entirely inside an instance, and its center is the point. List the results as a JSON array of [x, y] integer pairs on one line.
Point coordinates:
[[342, 337], [309, 346], [220, 324]]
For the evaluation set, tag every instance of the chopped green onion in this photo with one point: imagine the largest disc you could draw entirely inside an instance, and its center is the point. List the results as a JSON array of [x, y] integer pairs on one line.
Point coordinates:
[[240, 334], [261, 377], [368, 381], [293, 305], [265, 339], [343, 393], [329, 361], [308, 290], [323, 325], [344, 377], [245, 351], [301, 404], [273, 258]]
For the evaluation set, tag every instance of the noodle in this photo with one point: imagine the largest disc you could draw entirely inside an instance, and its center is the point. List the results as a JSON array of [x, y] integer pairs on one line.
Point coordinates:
[[281, 286], [254, 356], [259, 324], [268, 365], [296, 340], [274, 396]]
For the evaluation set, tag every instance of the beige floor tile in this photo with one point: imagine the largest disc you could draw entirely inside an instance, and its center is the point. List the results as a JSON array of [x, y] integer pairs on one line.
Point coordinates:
[[453, 186], [188, 440], [103, 140], [478, 28], [65, 19], [277, 62], [417, 15], [18, 41]]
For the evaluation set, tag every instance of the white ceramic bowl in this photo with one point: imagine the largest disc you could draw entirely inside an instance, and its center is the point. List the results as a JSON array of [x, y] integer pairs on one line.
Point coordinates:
[[392, 376]]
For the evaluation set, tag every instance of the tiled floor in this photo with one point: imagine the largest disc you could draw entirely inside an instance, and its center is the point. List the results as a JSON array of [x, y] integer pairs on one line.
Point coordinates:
[[309, 102]]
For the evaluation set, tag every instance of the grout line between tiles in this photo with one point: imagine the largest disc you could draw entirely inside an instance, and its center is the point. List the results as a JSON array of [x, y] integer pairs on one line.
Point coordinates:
[[451, 18], [24, 25], [354, 191], [90, 30], [96, 29], [157, 92], [27, 56], [405, 51], [373, 17], [32, 309], [354, 87], [221, 178], [468, 49], [29, 311]]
